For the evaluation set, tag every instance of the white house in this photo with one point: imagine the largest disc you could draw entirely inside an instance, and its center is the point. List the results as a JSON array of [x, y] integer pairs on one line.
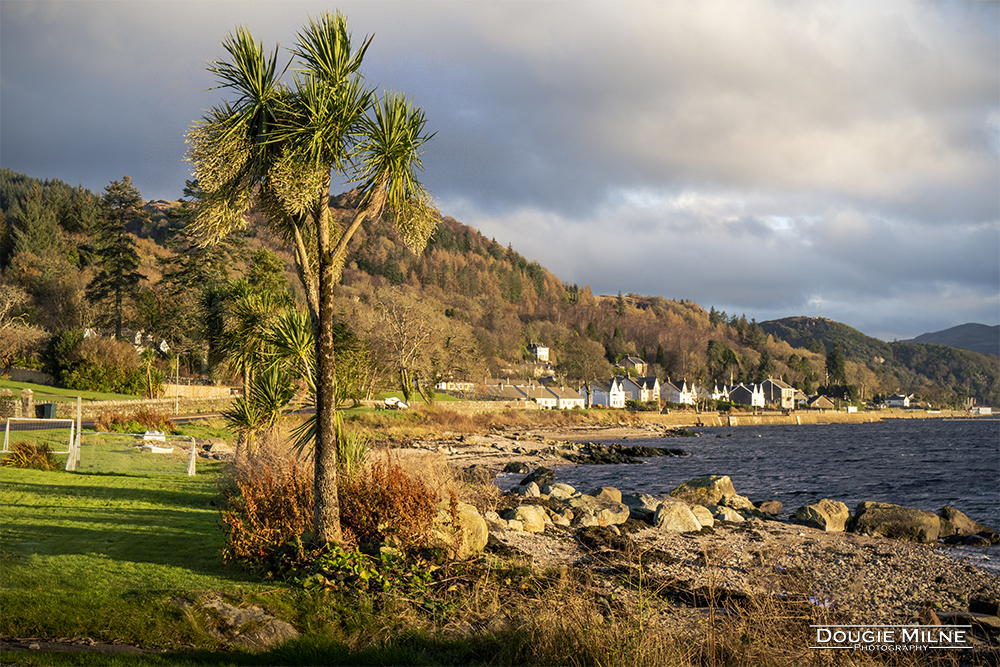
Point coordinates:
[[607, 393], [539, 394], [898, 401], [720, 392], [679, 392], [454, 385], [540, 352], [566, 399]]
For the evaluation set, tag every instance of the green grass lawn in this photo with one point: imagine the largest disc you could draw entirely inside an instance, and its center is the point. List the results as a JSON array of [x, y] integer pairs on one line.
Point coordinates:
[[46, 394], [100, 555]]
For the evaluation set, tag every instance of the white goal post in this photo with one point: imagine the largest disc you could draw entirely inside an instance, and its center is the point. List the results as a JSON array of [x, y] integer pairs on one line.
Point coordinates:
[[58, 434]]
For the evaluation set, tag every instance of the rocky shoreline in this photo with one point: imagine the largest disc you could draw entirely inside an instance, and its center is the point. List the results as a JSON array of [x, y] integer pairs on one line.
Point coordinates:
[[733, 550]]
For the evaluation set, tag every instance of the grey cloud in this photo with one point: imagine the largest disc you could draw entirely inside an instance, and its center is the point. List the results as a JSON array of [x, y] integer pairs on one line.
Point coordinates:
[[766, 151]]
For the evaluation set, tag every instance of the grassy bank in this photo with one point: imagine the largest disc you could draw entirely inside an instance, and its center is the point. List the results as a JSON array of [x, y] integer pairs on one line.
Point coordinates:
[[46, 394], [107, 557]]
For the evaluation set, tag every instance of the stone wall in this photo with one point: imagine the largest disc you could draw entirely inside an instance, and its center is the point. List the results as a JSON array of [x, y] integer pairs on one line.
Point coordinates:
[[185, 406], [195, 390], [29, 375]]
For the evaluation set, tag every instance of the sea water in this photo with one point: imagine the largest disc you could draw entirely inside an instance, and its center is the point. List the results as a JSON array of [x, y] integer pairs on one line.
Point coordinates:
[[921, 463]]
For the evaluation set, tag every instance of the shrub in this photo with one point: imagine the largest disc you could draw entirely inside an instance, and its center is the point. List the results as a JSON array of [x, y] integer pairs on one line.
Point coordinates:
[[382, 502], [140, 420], [267, 507], [29, 455]]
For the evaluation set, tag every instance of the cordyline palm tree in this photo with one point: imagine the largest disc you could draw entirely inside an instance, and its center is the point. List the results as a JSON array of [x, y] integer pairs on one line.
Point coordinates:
[[275, 146]]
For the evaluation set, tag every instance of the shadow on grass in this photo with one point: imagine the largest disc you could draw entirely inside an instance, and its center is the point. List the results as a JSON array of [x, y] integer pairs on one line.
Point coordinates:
[[126, 519], [308, 651]]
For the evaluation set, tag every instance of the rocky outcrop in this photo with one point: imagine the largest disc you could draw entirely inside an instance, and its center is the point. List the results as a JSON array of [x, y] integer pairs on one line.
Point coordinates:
[[956, 527], [594, 453], [828, 515], [895, 522], [249, 627], [711, 490]]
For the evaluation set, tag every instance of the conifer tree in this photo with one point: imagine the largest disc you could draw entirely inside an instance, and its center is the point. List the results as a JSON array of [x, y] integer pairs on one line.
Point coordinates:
[[117, 276]]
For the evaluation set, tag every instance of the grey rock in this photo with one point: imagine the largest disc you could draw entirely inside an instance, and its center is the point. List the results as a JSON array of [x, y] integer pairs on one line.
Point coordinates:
[[529, 490], [532, 517], [704, 517], [736, 502], [675, 516], [896, 522], [612, 514], [955, 523], [828, 515], [559, 491], [771, 507], [609, 493], [250, 627], [584, 502], [724, 513], [704, 490], [462, 535]]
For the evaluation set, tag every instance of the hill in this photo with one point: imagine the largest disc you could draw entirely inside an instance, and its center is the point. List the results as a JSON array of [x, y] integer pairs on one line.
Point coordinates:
[[975, 337], [923, 368], [482, 303]]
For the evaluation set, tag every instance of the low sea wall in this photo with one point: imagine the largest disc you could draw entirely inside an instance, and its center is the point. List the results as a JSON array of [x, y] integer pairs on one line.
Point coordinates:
[[470, 407], [692, 419]]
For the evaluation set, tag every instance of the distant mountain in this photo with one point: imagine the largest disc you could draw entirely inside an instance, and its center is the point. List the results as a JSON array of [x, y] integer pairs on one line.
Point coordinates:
[[919, 366], [975, 337]]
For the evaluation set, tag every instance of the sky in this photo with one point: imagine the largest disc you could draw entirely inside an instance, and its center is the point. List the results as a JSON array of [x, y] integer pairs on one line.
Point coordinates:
[[767, 158]]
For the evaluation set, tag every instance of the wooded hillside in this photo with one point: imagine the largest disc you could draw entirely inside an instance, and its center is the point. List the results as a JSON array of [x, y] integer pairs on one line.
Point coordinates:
[[465, 307]]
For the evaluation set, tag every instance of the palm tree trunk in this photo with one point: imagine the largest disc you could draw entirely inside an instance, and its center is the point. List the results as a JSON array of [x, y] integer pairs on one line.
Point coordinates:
[[326, 506]]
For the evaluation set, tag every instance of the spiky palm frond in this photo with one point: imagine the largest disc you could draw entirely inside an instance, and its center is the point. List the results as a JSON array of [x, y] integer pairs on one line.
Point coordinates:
[[324, 48], [388, 162], [291, 337]]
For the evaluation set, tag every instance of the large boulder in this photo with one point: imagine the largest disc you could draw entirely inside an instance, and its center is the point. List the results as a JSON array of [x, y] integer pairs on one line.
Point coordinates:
[[605, 512], [723, 513], [704, 517], [828, 515], [676, 516], [463, 533], [706, 490], [612, 514], [771, 507], [531, 517], [642, 505], [955, 524], [608, 493], [896, 522], [559, 491]]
